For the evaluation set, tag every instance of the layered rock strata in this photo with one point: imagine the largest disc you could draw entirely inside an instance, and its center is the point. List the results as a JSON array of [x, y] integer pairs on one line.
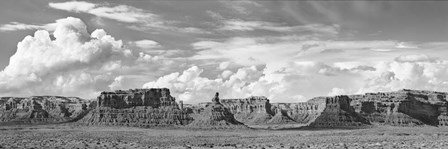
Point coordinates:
[[336, 112], [140, 107], [42, 109], [400, 108], [215, 116], [251, 110], [403, 108]]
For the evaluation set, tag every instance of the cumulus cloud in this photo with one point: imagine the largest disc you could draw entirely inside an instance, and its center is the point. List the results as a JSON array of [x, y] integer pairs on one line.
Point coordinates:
[[292, 82], [72, 62], [302, 80], [117, 84], [409, 71]]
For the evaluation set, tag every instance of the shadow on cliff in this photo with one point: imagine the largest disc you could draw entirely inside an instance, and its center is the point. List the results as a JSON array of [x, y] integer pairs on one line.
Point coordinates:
[[424, 112]]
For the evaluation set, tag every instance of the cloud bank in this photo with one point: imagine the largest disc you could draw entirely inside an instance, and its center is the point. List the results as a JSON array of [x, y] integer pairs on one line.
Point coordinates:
[[68, 61]]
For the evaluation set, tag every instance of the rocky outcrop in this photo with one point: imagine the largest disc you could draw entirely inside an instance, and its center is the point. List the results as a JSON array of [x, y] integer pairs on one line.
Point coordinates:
[[215, 116], [155, 97], [157, 108], [336, 112], [299, 112], [280, 118], [251, 110], [402, 108], [140, 107], [42, 109]]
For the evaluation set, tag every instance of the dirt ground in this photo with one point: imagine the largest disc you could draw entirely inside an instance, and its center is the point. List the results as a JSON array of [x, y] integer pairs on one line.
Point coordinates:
[[68, 136]]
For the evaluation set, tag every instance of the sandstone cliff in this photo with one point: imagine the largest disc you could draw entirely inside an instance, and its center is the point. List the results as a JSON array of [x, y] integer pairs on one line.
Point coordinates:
[[140, 107], [42, 109], [402, 108], [215, 116], [157, 108], [336, 112], [251, 110]]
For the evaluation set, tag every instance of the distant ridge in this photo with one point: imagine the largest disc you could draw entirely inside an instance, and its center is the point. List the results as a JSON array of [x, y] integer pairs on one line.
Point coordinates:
[[157, 108]]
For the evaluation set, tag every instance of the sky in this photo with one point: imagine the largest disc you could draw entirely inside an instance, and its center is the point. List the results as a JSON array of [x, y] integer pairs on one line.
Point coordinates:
[[288, 51]]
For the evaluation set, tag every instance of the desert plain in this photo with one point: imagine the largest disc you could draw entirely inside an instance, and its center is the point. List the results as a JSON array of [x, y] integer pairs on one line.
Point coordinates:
[[76, 136]]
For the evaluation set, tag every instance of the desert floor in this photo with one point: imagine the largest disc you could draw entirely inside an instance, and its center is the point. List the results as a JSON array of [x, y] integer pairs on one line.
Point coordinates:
[[69, 136]]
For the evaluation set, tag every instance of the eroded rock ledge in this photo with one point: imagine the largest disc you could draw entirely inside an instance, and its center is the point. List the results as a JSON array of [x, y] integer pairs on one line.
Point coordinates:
[[140, 107], [157, 108], [42, 109]]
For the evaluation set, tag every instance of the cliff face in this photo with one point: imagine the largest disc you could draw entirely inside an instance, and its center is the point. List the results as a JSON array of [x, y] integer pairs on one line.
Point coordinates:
[[215, 115], [140, 107], [299, 112], [157, 108], [400, 108], [336, 112], [251, 110], [156, 97], [42, 109], [403, 108]]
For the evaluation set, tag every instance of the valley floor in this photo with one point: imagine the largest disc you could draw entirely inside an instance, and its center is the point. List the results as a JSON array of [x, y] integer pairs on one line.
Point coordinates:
[[69, 136]]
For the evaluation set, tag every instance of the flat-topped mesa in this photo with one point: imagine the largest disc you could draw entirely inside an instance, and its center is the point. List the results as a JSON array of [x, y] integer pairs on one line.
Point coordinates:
[[249, 104], [432, 97], [302, 112], [138, 107], [42, 109], [154, 97], [250, 110], [403, 108]]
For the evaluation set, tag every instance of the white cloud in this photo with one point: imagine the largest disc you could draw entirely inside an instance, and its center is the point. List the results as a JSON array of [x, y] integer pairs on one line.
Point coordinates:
[[146, 44], [302, 80], [415, 58], [117, 84], [139, 18], [242, 25], [265, 50], [76, 6], [121, 13], [14, 26], [337, 91], [280, 84], [73, 63], [224, 65], [411, 71], [241, 6]]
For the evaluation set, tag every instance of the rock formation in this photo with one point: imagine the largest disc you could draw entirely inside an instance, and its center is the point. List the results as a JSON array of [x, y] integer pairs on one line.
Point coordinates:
[[402, 108], [251, 110], [280, 118], [157, 108], [215, 116], [299, 112], [42, 109], [336, 112], [140, 108]]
